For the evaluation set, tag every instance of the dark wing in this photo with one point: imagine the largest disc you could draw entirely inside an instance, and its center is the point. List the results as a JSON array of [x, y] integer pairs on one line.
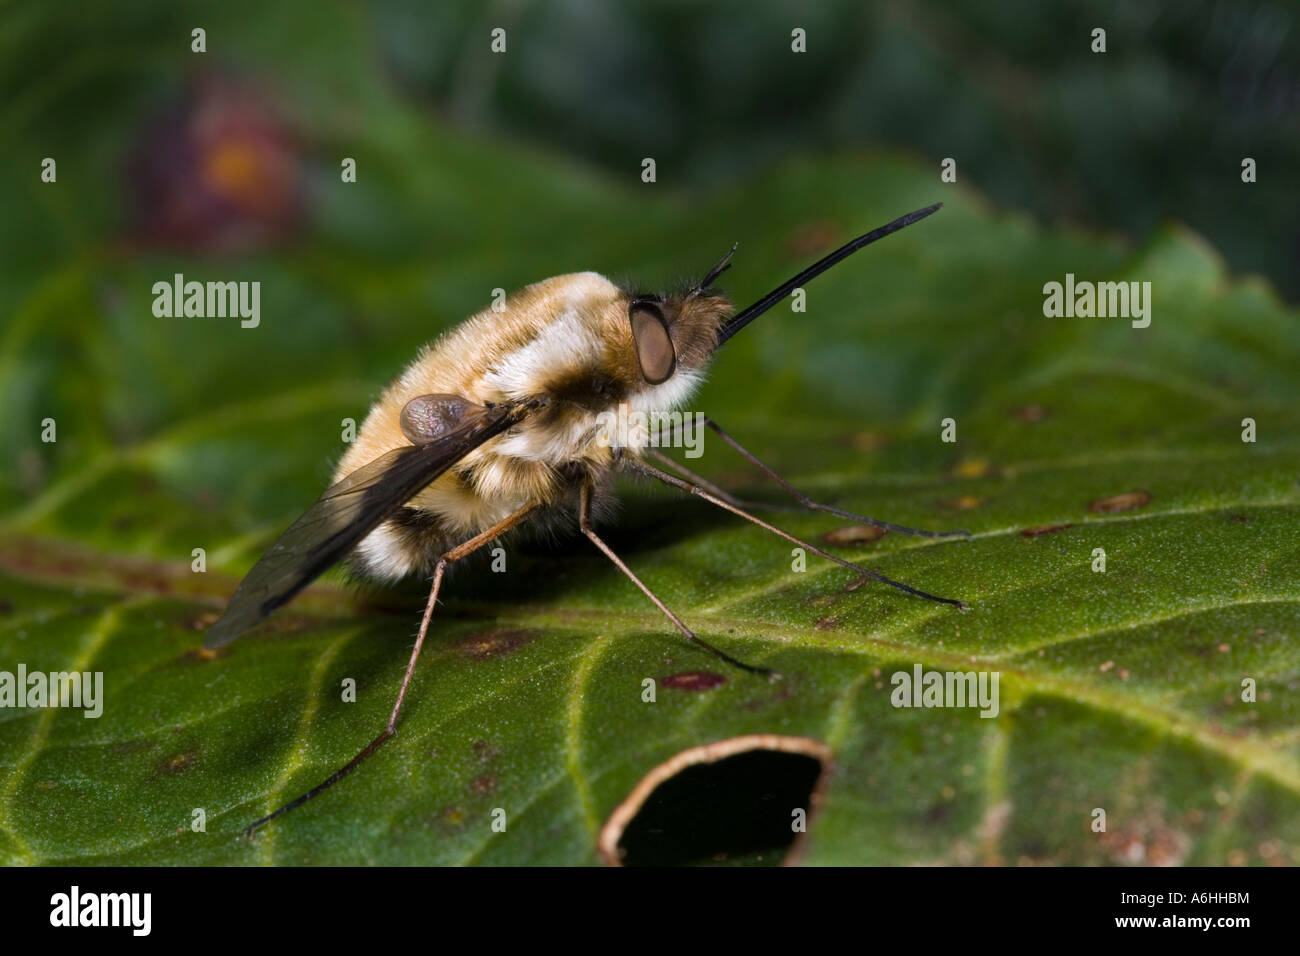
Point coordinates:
[[342, 516]]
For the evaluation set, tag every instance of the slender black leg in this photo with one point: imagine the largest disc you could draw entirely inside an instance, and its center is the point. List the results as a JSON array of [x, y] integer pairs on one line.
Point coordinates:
[[584, 522], [640, 467], [455, 554], [798, 495]]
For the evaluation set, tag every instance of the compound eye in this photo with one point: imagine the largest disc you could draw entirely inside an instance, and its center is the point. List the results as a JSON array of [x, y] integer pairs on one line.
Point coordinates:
[[655, 355]]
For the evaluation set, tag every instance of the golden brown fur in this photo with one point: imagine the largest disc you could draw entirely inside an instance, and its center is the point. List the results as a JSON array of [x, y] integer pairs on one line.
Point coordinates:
[[566, 340]]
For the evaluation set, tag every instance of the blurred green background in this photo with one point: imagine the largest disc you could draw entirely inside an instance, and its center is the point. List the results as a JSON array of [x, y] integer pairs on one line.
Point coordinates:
[[1154, 129], [477, 171]]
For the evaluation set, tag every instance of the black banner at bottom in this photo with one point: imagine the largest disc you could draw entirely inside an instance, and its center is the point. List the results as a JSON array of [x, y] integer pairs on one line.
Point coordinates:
[[335, 906]]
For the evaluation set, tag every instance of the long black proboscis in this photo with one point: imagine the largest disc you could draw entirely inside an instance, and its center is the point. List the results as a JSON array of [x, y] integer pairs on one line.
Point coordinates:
[[745, 316]]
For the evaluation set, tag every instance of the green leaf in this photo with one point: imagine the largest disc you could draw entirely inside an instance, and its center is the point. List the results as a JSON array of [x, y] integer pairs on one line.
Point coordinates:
[[1119, 690]]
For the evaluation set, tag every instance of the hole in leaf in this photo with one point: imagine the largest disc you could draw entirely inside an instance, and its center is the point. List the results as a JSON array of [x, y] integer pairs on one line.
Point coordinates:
[[743, 801]]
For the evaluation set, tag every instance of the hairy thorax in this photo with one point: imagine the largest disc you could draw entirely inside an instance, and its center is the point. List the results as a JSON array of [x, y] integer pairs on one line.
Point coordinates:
[[561, 342]]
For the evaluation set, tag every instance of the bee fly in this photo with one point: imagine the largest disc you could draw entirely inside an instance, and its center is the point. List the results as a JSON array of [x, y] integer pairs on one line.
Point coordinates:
[[498, 422]]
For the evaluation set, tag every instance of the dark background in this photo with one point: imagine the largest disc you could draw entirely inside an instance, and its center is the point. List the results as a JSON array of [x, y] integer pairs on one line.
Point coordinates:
[[1154, 129]]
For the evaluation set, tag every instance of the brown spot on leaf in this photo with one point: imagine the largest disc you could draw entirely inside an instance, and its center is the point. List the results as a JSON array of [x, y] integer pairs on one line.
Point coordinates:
[[974, 468], [6, 606], [1240, 519], [1030, 413], [853, 534], [960, 503], [1043, 529], [201, 622], [453, 815], [178, 763], [693, 680], [495, 643], [484, 784], [868, 441], [199, 655], [144, 579], [484, 751], [827, 623], [1125, 502]]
